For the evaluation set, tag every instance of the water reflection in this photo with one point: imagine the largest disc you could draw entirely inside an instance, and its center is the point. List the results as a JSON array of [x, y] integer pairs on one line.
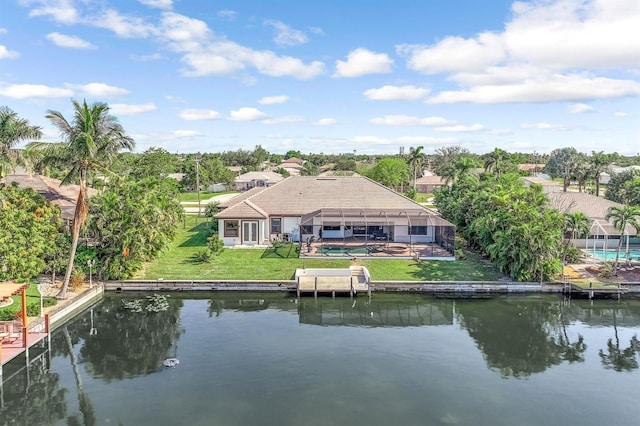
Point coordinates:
[[253, 351]]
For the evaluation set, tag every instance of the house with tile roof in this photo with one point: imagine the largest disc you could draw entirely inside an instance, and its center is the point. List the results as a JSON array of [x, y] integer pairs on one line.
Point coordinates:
[[332, 210], [256, 180], [602, 234], [64, 196]]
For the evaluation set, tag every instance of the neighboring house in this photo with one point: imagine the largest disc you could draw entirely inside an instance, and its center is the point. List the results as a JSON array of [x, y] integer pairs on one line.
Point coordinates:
[[532, 168], [548, 186], [63, 196], [293, 165], [427, 184], [605, 177], [602, 234], [256, 180], [308, 208]]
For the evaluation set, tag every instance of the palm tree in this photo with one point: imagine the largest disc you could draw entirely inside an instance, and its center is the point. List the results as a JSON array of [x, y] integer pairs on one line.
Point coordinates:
[[623, 216], [576, 225], [415, 160], [91, 142], [12, 131], [599, 163], [494, 160], [460, 167]]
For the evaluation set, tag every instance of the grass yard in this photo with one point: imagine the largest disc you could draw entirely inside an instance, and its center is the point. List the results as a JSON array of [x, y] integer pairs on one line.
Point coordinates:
[[280, 264], [33, 296], [192, 197]]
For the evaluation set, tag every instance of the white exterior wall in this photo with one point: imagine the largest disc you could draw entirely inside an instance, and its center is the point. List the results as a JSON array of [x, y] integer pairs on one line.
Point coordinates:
[[401, 235], [291, 226]]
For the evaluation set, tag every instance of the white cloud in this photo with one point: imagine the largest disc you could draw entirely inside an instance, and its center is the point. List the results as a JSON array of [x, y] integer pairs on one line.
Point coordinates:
[[73, 42], [461, 128], [541, 55], [454, 54], [99, 90], [24, 91], [284, 119], [325, 122], [61, 11], [199, 114], [247, 114], [521, 145], [545, 88], [620, 114], [499, 132], [123, 26], [285, 35], [183, 135], [543, 126], [361, 62], [131, 109], [396, 93], [225, 57], [407, 120], [227, 14], [270, 100], [427, 140], [144, 58], [3, 30], [373, 140], [580, 108], [160, 4], [7, 54]]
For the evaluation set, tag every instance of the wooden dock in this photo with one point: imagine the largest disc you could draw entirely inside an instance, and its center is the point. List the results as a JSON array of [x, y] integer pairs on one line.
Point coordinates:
[[15, 339], [352, 280]]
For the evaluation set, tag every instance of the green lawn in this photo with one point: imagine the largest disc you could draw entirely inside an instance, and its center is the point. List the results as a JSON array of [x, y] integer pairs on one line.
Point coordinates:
[[280, 264], [192, 197], [33, 296]]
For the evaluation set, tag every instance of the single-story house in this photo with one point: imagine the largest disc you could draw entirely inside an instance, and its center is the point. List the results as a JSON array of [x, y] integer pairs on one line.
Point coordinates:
[[338, 209], [293, 165], [602, 234], [427, 184], [64, 196], [256, 180]]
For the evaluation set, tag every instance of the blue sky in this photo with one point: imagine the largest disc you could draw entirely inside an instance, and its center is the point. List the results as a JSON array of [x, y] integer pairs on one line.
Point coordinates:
[[333, 76]]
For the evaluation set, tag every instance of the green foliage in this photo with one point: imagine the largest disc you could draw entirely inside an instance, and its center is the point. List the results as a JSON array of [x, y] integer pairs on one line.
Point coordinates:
[[154, 162], [215, 244], [33, 309], [292, 154], [49, 301], [573, 255], [412, 193], [624, 188], [212, 209], [203, 256], [606, 270], [282, 171], [28, 232], [210, 170], [13, 130], [7, 315], [132, 222], [154, 303], [390, 172], [345, 163], [507, 222], [562, 163]]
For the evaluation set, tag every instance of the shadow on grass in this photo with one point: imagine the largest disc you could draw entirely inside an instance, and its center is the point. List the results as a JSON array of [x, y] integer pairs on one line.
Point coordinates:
[[201, 232], [458, 270], [285, 251]]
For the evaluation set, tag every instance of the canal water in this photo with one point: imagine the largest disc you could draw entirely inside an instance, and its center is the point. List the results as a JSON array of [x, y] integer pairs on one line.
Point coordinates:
[[269, 359]]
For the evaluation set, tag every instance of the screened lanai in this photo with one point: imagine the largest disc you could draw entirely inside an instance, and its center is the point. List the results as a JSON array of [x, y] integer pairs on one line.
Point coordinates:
[[357, 232]]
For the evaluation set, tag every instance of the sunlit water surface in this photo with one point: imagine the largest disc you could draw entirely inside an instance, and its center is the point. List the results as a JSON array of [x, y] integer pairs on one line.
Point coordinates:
[[268, 359]]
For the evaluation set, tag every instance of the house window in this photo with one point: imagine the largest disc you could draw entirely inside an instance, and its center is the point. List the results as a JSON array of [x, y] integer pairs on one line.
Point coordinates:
[[418, 230], [276, 225], [359, 229], [306, 229], [231, 228], [331, 228]]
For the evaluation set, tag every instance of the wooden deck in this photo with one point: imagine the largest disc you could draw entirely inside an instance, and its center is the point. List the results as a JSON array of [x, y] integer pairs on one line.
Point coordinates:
[[15, 339]]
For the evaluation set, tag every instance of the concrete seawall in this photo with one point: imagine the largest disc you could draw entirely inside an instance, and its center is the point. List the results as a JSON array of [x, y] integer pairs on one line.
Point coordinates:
[[376, 286], [61, 314]]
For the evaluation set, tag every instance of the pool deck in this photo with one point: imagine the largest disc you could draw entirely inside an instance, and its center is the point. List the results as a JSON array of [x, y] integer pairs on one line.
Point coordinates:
[[375, 249]]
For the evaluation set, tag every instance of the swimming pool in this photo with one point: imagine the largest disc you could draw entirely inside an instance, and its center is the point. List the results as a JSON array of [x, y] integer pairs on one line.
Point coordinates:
[[347, 250], [634, 254]]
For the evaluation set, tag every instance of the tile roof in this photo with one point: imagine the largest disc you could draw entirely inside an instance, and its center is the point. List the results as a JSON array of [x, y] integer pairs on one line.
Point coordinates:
[[266, 176], [595, 208], [64, 196], [300, 195]]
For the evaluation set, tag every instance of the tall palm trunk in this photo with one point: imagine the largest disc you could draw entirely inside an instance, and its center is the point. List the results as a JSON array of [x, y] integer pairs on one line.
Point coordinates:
[[79, 217], [615, 264], [85, 405]]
